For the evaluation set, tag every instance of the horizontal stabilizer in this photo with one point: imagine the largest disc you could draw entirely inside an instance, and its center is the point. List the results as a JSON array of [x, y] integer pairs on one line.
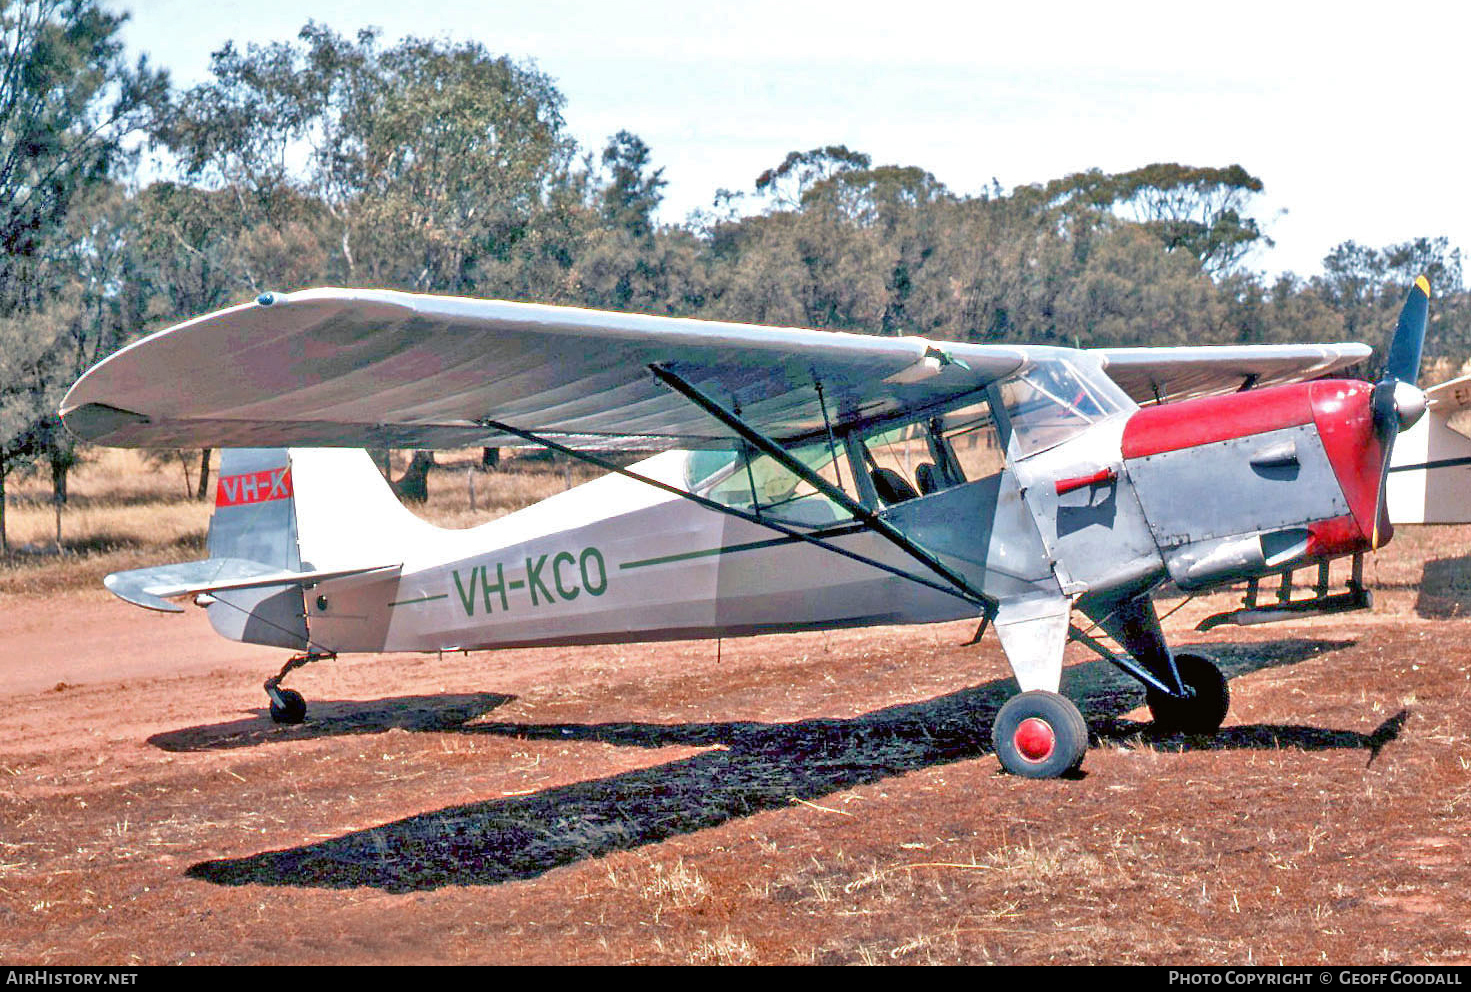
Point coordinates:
[[152, 588], [1449, 397]]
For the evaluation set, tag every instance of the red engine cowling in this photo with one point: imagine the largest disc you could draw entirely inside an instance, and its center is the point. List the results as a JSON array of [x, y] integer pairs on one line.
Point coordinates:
[[1171, 447]]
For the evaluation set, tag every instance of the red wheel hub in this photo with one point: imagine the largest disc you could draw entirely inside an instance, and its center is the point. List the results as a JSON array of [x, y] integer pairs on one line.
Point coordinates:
[[1034, 739]]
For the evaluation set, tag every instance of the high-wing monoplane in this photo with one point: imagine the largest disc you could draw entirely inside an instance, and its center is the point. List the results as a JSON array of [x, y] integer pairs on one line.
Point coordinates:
[[803, 480]]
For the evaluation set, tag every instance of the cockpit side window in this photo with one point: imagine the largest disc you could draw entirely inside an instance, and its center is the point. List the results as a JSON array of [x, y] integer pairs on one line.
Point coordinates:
[[936, 453], [894, 461], [755, 482], [970, 439], [894, 458]]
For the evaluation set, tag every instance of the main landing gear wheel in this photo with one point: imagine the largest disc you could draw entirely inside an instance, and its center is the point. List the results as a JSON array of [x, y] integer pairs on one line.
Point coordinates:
[[291, 708], [1039, 735], [1202, 711]]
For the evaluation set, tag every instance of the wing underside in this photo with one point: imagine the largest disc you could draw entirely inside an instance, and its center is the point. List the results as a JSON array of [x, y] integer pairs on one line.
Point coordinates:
[[1153, 375], [388, 369], [377, 368]]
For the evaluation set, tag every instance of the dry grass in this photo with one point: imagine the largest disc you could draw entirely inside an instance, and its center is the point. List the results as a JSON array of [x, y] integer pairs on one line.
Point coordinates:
[[722, 948], [517, 482], [676, 886], [127, 511]]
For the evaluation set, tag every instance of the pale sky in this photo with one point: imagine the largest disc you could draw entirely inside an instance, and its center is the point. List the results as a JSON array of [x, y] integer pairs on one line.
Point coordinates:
[[1353, 115]]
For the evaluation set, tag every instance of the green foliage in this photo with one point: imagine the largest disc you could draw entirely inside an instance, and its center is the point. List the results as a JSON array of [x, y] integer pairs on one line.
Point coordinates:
[[67, 101], [430, 161], [633, 193], [1199, 210], [1367, 286], [787, 184]]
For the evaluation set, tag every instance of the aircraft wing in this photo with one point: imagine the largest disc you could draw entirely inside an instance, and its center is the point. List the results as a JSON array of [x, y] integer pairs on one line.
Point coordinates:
[[377, 368], [1162, 374]]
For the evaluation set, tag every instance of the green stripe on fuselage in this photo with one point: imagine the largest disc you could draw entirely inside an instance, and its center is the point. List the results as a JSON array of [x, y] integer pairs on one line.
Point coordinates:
[[728, 549], [421, 599]]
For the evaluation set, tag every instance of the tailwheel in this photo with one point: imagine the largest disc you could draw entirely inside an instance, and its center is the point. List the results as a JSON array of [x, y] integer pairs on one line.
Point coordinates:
[[1202, 709], [287, 706], [1039, 735]]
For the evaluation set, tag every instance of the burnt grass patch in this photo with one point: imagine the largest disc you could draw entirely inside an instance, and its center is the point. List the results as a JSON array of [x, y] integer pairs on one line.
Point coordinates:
[[750, 767]]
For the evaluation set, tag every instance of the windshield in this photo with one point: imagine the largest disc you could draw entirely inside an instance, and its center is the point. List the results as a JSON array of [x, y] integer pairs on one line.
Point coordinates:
[[1054, 401]]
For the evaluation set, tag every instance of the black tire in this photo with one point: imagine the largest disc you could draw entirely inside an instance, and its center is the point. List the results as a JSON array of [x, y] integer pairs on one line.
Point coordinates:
[[1039, 735], [294, 710], [1206, 707]]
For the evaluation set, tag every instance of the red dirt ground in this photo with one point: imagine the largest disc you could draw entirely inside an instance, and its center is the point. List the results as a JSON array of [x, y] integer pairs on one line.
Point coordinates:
[[784, 799]]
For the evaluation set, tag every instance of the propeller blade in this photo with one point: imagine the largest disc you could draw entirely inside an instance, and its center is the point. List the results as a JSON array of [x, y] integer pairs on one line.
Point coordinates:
[[1409, 335], [1398, 401], [1381, 511]]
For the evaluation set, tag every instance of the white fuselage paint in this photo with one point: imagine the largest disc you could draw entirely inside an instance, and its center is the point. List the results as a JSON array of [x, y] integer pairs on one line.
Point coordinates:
[[612, 560]]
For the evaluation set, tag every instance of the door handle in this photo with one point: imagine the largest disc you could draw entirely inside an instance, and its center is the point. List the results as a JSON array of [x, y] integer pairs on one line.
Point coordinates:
[[1103, 475]]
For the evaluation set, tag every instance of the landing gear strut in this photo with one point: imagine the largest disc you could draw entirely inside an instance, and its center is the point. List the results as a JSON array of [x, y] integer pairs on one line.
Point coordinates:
[[1039, 734], [287, 705], [1194, 703]]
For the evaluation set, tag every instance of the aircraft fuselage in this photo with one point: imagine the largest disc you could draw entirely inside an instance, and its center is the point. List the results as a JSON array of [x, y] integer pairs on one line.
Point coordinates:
[[1202, 492]]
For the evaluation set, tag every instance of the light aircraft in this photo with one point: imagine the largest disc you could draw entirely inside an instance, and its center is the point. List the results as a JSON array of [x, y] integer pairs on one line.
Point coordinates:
[[804, 480]]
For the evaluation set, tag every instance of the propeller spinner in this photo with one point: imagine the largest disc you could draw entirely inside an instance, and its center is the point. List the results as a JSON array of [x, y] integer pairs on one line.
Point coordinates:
[[1398, 402]]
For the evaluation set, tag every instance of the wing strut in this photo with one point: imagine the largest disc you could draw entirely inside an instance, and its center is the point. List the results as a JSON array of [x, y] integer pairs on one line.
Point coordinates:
[[1121, 661], [871, 520], [818, 538]]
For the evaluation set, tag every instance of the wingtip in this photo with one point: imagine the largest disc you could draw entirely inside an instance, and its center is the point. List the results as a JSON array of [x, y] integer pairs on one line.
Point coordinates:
[[1423, 285]]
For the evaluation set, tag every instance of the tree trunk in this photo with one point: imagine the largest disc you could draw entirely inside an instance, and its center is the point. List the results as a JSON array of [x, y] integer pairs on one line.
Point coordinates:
[[203, 492], [414, 485], [4, 537], [59, 469], [184, 466]]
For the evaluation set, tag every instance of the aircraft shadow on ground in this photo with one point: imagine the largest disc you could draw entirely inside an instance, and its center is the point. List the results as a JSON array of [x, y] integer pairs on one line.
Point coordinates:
[[1445, 589], [759, 766], [337, 719], [1255, 736]]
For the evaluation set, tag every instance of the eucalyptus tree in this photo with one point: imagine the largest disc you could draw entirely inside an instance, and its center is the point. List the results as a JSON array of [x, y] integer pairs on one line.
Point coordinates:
[[1365, 286], [69, 104], [430, 158], [1201, 210]]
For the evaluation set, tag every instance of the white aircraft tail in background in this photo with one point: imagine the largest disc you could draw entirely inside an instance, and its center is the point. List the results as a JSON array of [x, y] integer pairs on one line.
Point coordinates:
[[1430, 474]]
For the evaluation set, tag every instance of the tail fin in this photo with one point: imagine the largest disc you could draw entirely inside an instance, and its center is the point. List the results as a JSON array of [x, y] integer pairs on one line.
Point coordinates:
[[255, 513], [282, 519], [308, 509], [346, 513], [1430, 476], [255, 520]]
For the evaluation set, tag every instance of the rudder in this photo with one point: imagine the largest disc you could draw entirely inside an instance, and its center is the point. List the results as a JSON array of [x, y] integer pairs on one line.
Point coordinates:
[[255, 510], [255, 519]]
